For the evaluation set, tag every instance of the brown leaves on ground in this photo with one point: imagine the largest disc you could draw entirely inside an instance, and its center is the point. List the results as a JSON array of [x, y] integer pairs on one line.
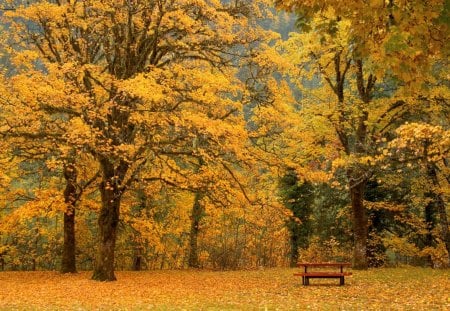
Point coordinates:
[[272, 289]]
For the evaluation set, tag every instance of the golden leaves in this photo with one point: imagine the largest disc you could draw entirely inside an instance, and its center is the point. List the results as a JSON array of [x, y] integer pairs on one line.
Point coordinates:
[[394, 289], [144, 86], [425, 141], [42, 203], [396, 35]]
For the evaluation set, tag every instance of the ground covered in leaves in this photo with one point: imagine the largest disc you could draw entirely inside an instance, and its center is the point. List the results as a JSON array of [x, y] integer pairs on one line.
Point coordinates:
[[271, 289]]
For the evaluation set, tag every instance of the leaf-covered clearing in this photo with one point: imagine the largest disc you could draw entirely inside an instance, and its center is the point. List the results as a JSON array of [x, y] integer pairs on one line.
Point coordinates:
[[272, 289]]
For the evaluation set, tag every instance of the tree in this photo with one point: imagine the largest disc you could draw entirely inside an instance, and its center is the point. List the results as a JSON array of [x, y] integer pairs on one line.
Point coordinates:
[[428, 147], [133, 82], [342, 42], [342, 75], [404, 37], [196, 216], [72, 195], [43, 145], [298, 197]]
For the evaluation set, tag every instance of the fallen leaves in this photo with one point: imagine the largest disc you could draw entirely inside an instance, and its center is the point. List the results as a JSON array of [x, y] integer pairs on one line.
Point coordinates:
[[272, 289]]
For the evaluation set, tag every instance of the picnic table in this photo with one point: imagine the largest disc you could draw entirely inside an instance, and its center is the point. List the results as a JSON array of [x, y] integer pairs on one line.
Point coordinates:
[[340, 274]]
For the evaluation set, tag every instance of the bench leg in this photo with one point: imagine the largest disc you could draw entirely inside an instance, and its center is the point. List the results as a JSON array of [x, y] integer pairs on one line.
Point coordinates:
[[306, 280], [342, 281], [303, 280]]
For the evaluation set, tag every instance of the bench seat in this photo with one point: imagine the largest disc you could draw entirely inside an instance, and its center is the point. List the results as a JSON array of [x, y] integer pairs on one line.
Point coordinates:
[[322, 275]]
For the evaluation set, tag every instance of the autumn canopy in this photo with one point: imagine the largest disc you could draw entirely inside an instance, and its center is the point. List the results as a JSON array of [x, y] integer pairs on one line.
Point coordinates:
[[141, 134]]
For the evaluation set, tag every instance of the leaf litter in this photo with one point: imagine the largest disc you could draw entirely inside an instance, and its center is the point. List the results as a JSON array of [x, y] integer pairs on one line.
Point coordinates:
[[267, 289]]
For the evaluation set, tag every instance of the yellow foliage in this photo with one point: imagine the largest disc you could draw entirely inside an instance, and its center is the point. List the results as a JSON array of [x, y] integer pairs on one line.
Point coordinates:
[[391, 288], [395, 35]]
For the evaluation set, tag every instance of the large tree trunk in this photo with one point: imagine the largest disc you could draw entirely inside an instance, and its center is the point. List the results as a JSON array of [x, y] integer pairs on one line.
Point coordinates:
[[108, 220], [107, 225], [68, 263], [359, 225], [196, 216]]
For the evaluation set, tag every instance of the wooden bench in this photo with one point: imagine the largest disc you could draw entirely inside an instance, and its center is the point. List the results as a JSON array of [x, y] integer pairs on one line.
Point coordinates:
[[306, 275]]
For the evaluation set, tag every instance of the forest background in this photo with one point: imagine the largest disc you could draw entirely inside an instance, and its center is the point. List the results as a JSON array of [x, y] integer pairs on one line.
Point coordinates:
[[223, 134]]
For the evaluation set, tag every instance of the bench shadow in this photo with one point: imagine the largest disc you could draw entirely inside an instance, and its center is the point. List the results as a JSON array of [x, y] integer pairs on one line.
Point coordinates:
[[324, 284]]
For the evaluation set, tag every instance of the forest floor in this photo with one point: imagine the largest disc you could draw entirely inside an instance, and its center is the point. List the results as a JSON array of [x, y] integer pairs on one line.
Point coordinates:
[[269, 289]]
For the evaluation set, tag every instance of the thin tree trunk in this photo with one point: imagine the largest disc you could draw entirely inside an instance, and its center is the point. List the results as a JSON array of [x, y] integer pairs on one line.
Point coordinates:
[[68, 262], [430, 222], [441, 209], [137, 263], [196, 216], [359, 225], [293, 256], [443, 220], [137, 257]]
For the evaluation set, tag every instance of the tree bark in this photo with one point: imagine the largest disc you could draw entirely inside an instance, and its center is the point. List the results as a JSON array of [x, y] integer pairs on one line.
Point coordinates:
[[358, 177], [443, 220], [68, 262], [354, 143], [293, 256], [359, 225], [196, 216], [137, 262], [111, 193], [439, 203], [430, 222], [107, 224]]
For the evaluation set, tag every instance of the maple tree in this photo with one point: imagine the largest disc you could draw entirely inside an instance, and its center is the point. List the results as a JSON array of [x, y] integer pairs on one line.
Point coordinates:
[[427, 146], [196, 215], [349, 117], [298, 198], [182, 134], [356, 49], [73, 192], [132, 83], [404, 36], [29, 143]]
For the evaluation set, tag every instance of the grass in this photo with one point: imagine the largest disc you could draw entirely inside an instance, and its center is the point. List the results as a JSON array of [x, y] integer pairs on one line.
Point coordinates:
[[271, 289]]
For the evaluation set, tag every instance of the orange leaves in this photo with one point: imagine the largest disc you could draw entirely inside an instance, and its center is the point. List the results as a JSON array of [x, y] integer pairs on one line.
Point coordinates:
[[416, 136], [396, 35], [145, 86], [45, 203], [394, 289], [419, 141], [80, 133], [389, 206]]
